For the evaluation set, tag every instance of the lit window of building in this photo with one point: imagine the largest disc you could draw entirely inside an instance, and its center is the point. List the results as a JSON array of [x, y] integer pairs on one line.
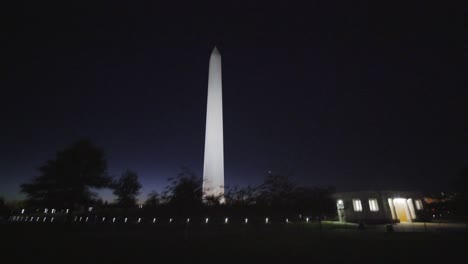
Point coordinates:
[[419, 205], [373, 205], [357, 205]]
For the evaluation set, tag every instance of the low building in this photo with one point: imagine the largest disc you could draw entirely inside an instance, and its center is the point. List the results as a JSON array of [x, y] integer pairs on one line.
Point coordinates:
[[380, 206]]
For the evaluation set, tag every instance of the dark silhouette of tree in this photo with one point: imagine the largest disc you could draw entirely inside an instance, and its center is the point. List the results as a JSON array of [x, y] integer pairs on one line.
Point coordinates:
[[152, 200], [184, 191], [315, 201], [4, 210], [461, 200], [65, 180], [126, 188], [244, 196], [277, 191]]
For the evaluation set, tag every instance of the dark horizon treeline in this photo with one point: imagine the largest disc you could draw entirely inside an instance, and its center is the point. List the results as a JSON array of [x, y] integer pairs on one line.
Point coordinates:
[[65, 182]]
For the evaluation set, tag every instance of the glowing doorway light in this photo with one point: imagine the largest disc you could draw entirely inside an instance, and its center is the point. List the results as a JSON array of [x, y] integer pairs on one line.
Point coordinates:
[[226, 220]]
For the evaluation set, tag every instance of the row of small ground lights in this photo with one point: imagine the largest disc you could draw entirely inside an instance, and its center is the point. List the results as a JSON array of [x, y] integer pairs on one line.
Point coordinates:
[[114, 219]]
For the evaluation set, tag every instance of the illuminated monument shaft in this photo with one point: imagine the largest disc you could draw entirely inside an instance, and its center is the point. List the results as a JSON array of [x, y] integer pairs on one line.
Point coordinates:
[[213, 169]]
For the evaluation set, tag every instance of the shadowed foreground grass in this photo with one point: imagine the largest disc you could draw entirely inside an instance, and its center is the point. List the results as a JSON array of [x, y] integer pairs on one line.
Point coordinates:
[[25, 243]]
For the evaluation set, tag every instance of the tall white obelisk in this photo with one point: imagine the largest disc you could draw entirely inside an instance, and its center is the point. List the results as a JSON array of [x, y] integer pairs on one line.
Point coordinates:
[[213, 169]]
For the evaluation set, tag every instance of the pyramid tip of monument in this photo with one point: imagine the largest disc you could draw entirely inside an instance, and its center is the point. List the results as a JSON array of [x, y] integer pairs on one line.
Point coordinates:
[[215, 50]]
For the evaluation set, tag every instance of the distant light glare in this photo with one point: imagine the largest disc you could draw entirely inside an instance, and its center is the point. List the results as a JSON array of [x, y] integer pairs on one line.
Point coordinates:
[[246, 220], [266, 220], [226, 220], [206, 220], [307, 219], [22, 211], [154, 220]]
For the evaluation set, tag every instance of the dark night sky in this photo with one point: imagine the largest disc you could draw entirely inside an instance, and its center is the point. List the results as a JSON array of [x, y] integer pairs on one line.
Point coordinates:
[[343, 94]]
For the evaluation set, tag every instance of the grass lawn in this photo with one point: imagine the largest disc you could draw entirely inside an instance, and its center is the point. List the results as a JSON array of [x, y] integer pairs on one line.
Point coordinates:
[[274, 243]]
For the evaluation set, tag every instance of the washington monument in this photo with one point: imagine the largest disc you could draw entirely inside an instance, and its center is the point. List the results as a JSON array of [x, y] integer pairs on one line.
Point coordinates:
[[213, 168]]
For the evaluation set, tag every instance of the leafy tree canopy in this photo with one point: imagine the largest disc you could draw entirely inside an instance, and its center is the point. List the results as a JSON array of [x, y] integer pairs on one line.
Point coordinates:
[[65, 180]]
